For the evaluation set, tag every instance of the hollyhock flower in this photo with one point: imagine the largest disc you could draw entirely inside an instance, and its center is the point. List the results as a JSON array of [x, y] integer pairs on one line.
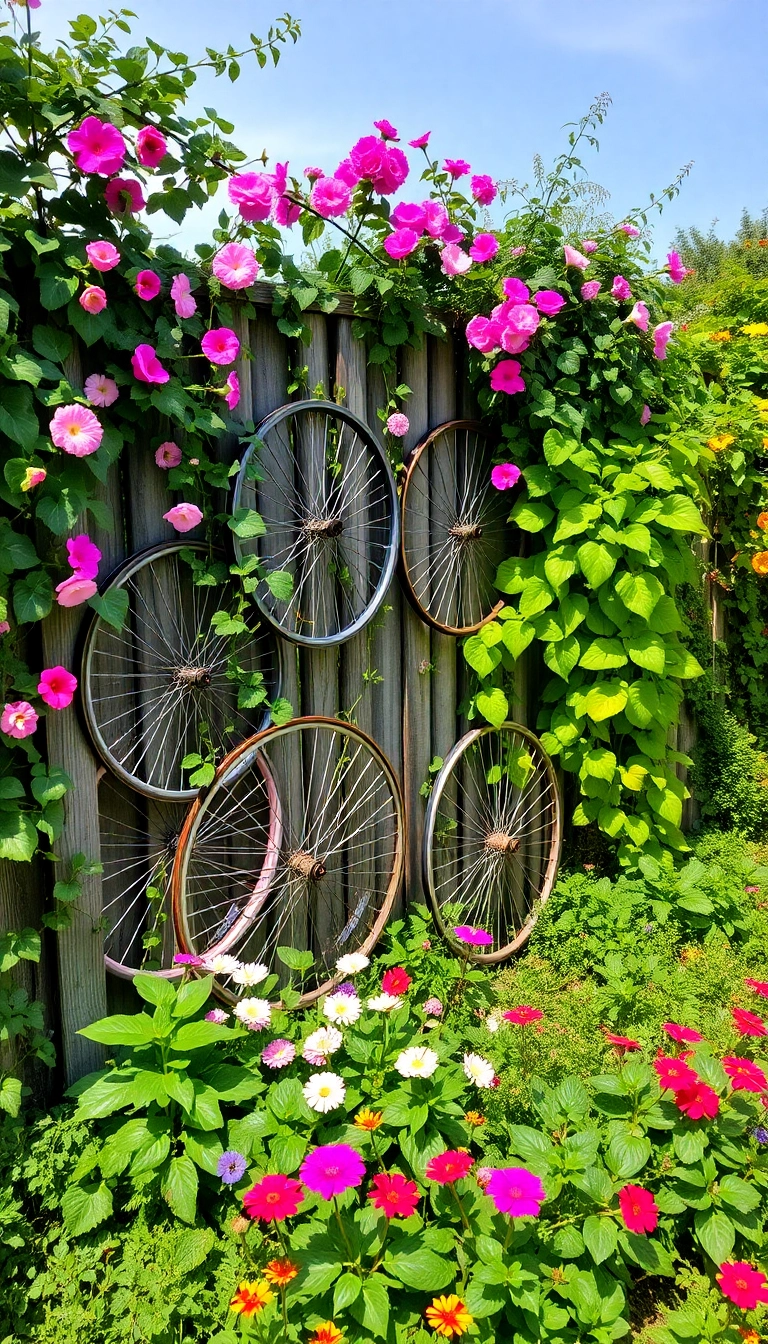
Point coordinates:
[[249, 973], [352, 963], [452, 233], [93, 299], [346, 174], [253, 1013], [630, 230], [101, 390], [743, 1284], [230, 1167], [456, 167], [250, 1298], [523, 1015], [232, 385], [421, 141], [181, 293], [639, 1209], [418, 1061], [102, 256], [76, 430], [184, 517], [483, 189], [83, 556], [454, 261], [273, 1198], [758, 986], [281, 1272], [483, 334], [147, 367], [549, 302], [394, 171], [645, 415], [220, 345], [124, 196], [321, 1044], [620, 288], [285, 212], [505, 377], [674, 1074], [409, 216], [18, 719], [505, 476], [394, 1195], [589, 246], [252, 193], [332, 1169], [518, 322], [518, 251], [387, 129], [151, 147], [97, 147], [330, 196], [72, 592], [147, 285], [575, 258], [32, 476], [478, 1070], [278, 1054], [433, 1008], [437, 218], [168, 455], [398, 425], [324, 1092], [4, 627], [450, 1166], [395, 981], [590, 290], [401, 243], [661, 335], [384, 1003], [515, 289], [747, 1023], [221, 963], [466, 933], [516, 1191], [698, 1101], [235, 266], [639, 316], [678, 1033], [189, 959], [745, 1075], [677, 271], [484, 248], [342, 1008]]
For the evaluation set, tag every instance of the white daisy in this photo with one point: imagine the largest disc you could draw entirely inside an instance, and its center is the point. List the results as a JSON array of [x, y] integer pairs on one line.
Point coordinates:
[[479, 1071], [417, 1062], [321, 1044], [384, 1003], [221, 964], [253, 1013], [492, 1023], [342, 1008], [352, 963], [324, 1091], [250, 973]]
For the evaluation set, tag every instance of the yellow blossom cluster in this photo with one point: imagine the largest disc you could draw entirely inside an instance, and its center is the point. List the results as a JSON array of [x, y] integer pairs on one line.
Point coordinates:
[[755, 329], [719, 335], [720, 441]]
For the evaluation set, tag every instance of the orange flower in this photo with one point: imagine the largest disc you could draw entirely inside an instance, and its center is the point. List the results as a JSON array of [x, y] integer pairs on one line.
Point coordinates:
[[327, 1333], [250, 1298], [719, 335], [762, 242], [720, 441], [749, 1336], [762, 521], [448, 1316], [368, 1119], [280, 1272], [760, 562], [475, 1119]]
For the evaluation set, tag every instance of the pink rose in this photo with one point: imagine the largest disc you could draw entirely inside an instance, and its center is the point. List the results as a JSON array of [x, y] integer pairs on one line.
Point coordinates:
[[285, 212], [235, 266], [505, 476], [639, 316], [232, 385], [330, 196], [421, 141], [74, 591], [220, 345], [83, 556], [97, 147], [515, 289], [398, 425], [405, 216], [151, 147], [18, 719], [483, 189], [548, 302], [181, 293], [401, 243], [76, 430], [661, 335], [184, 517], [454, 261], [147, 285], [101, 390], [394, 171], [312, 173], [645, 415], [505, 377], [575, 258], [252, 193], [103, 256], [436, 218], [93, 299], [620, 289], [456, 168], [630, 230], [519, 322], [147, 367], [386, 129], [518, 251], [483, 334], [57, 687], [385, 168], [168, 455], [346, 174], [124, 196], [452, 234], [484, 248], [591, 289], [589, 246]]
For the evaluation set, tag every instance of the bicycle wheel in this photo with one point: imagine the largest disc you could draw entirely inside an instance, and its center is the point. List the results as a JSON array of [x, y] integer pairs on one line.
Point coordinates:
[[492, 837], [335, 866], [454, 531], [166, 685], [328, 501]]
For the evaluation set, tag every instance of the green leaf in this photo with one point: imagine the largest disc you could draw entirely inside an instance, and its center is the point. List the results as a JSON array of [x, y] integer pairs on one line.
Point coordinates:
[[154, 989], [18, 837], [535, 597], [600, 763], [196, 1035], [605, 699], [50, 787], [295, 958], [374, 1315], [111, 606], [17, 415], [516, 636], [423, 1269], [247, 523], [32, 597], [85, 1206], [179, 1188], [52, 343], [513, 574], [57, 287], [16, 551], [600, 1237], [121, 1029], [628, 1154], [531, 517], [603, 654], [716, 1233], [679, 513], [642, 704], [10, 1095], [280, 584], [739, 1194], [563, 656], [348, 1287], [480, 657], [558, 449], [639, 592], [493, 706], [648, 651], [596, 561], [192, 996], [560, 565], [573, 521]]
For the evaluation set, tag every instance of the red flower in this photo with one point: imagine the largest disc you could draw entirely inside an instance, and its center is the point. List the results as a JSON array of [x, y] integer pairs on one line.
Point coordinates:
[[449, 1166], [395, 1196], [638, 1209], [273, 1198], [745, 1075], [748, 1024], [698, 1101], [395, 981], [623, 1042], [522, 1015], [759, 986], [742, 1284], [678, 1033], [674, 1074]]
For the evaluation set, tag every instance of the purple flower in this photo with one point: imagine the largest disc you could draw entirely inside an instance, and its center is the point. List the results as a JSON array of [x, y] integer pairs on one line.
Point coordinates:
[[230, 1167], [620, 289], [187, 959], [278, 1053], [760, 1135], [474, 937], [346, 988], [217, 1015]]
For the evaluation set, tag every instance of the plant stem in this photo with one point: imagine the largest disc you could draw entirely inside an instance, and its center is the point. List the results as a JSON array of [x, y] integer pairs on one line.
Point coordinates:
[[344, 1237]]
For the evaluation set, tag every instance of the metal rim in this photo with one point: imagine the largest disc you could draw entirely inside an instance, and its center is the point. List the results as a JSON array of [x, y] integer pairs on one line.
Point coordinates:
[[499, 839], [119, 578], [390, 547], [234, 767], [470, 516]]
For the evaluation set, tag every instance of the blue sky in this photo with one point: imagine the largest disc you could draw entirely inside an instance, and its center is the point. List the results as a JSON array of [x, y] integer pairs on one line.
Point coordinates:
[[495, 80]]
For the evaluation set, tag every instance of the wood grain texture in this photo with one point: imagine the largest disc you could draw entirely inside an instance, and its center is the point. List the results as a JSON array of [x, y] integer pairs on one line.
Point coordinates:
[[319, 667]]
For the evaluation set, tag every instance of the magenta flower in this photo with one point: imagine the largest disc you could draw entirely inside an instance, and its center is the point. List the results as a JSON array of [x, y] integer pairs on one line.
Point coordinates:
[[183, 517], [484, 248], [394, 171], [93, 299], [188, 959], [516, 1191], [285, 212], [103, 256], [124, 196], [168, 455], [401, 243], [483, 189], [387, 129], [575, 258], [235, 266], [76, 430], [661, 335], [216, 1015], [645, 415], [515, 290], [252, 193], [436, 217], [18, 719], [97, 147], [147, 285], [151, 147], [330, 196], [639, 1210], [421, 141], [639, 316], [505, 377], [385, 168], [332, 1169], [74, 591], [232, 385], [454, 261], [590, 290], [181, 293], [398, 425], [433, 1008], [220, 345], [745, 1074], [630, 230], [346, 174], [278, 1054], [523, 1015], [483, 333], [677, 271], [466, 933], [505, 476], [518, 251], [548, 302], [674, 1029], [743, 1284], [620, 289], [409, 216], [101, 390], [57, 687], [273, 1198], [147, 367], [456, 167], [32, 476], [83, 556], [588, 246], [452, 233], [519, 322]]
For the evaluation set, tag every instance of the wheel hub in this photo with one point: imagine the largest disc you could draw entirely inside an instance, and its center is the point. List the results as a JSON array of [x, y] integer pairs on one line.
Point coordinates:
[[466, 531], [306, 865], [192, 677], [322, 528], [498, 842]]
